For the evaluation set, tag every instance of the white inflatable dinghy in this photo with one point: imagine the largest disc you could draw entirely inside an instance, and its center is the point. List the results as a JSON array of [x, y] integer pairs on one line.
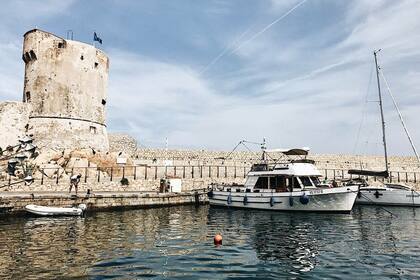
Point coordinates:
[[55, 211]]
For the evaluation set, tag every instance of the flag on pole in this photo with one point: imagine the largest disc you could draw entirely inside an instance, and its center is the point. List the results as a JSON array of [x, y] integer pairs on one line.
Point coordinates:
[[96, 38]]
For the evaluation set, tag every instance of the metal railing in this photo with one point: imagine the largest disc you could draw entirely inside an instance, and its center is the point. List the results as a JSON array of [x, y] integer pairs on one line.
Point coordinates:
[[155, 172]]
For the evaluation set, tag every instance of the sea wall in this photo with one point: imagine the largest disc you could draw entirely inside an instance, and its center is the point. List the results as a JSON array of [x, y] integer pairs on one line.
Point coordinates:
[[14, 203], [14, 117]]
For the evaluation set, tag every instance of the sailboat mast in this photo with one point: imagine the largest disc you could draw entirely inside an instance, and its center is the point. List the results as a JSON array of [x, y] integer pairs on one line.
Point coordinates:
[[382, 111]]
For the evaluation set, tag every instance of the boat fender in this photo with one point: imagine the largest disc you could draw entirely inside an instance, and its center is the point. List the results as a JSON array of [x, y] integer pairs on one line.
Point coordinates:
[[304, 199], [377, 194], [272, 201], [210, 194], [291, 200], [359, 194], [245, 200], [229, 199]]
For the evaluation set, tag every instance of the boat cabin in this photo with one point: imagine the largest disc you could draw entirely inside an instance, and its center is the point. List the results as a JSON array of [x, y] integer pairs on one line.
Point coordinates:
[[285, 177]]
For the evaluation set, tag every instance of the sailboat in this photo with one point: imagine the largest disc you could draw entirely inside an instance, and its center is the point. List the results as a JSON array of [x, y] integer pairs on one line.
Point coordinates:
[[388, 194]]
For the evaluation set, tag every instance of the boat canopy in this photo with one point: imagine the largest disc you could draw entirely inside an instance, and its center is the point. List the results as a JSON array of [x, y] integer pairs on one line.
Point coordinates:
[[292, 152], [384, 174]]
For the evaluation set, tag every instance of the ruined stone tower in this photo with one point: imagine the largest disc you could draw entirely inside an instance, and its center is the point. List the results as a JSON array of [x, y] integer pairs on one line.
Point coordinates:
[[65, 84]]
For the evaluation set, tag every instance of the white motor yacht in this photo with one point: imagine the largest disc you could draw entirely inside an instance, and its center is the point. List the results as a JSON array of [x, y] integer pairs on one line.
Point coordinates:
[[293, 185]]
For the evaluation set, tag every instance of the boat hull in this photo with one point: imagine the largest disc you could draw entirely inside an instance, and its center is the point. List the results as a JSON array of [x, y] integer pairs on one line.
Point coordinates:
[[386, 197], [335, 200], [53, 211]]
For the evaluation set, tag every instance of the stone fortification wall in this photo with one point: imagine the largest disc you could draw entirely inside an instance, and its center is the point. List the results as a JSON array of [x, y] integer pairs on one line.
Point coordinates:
[[323, 161], [66, 83], [14, 117], [119, 142]]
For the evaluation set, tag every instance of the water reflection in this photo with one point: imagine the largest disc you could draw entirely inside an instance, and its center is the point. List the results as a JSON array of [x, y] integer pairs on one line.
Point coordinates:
[[177, 243]]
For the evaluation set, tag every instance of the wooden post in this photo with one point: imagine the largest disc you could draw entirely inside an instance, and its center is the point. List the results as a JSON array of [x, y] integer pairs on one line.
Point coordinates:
[[155, 172], [183, 172], [209, 171], [99, 175], [58, 173], [112, 171], [201, 171], [398, 174], [123, 176], [244, 172], [406, 177], [145, 172], [192, 172], [135, 172], [175, 170], [225, 171], [42, 177], [415, 177], [217, 171], [234, 172], [334, 174], [166, 171]]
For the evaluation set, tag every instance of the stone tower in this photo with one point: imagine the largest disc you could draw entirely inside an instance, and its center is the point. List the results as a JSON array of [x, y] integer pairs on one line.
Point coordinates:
[[65, 84]]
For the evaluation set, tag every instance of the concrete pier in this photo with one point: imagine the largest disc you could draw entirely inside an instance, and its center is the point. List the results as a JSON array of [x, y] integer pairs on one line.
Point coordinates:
[[15, 202]]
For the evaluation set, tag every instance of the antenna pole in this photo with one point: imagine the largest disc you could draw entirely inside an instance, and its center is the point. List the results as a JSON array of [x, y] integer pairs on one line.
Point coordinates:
[[382, 111]]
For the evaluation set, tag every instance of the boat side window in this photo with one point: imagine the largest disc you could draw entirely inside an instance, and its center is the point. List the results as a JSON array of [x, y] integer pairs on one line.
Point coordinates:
[[262, 183], [278, 183], [295, 182]]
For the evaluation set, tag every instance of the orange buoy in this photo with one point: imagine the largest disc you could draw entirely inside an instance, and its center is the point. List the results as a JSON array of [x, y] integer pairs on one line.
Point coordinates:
[[218, 239]]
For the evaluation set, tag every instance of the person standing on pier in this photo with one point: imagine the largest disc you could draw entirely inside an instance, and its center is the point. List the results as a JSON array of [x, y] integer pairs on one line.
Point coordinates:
[[74, 182]]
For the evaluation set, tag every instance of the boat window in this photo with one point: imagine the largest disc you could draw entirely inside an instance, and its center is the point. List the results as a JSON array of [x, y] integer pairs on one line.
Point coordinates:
[[279, 183], [294, 183], [250, 181], [262, 183], [315, 180], [306, 182]]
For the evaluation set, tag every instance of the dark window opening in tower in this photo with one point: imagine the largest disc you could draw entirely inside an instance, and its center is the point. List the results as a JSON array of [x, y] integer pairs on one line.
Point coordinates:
[[81, 57], [96, 64], [27, 56], [24, 58], [28, 96], [60, 45], [32, 54], [92, 129], [103, 101]]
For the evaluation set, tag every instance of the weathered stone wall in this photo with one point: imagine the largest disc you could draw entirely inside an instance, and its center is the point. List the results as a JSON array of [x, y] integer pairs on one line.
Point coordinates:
[[119, 142], [66, 84], [14, 116]]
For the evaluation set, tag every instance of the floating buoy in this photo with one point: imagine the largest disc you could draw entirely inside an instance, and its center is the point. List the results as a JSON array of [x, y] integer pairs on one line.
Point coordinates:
[[245, 200], [304, 199], [272, 201], [218, 239], [229, 199], [291, 200]]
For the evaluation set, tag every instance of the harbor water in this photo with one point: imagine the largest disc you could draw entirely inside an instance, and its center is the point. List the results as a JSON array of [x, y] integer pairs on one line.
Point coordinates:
[[177, 242]]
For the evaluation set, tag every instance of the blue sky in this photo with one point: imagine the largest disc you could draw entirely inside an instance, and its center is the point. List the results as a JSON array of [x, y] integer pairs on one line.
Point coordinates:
[[302, 82]]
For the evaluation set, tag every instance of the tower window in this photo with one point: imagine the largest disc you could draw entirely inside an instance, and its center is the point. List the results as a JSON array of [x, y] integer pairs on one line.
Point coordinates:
[[81, 57], [27, 56], [32, 54], [28, 96], [96, 64], [103, 101], [92, 129], [60, 45]]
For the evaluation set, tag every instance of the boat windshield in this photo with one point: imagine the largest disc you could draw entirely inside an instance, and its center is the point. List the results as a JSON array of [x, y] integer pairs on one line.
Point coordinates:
[[306, 182], [315, 180]]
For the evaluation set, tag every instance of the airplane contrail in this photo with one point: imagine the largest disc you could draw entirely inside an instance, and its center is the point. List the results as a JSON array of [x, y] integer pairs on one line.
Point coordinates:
[[225, 50]]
